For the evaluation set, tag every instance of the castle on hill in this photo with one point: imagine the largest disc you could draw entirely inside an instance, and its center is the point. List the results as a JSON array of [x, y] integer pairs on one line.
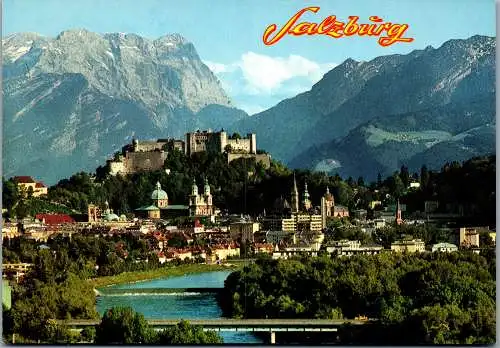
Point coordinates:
[[150, 155]]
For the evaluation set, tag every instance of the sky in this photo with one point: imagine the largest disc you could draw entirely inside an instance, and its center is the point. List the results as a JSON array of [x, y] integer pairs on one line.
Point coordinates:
[[228, 34]]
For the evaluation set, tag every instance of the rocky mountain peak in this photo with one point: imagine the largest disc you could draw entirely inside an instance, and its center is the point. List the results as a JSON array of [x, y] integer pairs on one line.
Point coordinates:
[[79, 97]]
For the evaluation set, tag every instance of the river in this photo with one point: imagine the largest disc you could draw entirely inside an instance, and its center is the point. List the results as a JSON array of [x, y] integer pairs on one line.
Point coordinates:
[[176, 305]]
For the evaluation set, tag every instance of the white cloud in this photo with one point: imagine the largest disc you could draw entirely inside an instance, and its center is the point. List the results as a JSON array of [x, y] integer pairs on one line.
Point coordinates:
[[258, 76], [218, 68], [265, 73]]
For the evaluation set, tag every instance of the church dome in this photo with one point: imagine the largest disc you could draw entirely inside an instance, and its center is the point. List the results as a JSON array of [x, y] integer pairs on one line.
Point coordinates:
[[158, 193], [111, 217]]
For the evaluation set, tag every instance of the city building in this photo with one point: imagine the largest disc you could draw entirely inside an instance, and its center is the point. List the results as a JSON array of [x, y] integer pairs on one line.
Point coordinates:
[[407, 245], [291, 218], [352, 247], [224, 251], [10, 230], [276, 236], [444, 247], [360, 214], [202, 204], [25, 184], [243, 230], [160, 207], [340, 211], [54, 219], [468, 237]]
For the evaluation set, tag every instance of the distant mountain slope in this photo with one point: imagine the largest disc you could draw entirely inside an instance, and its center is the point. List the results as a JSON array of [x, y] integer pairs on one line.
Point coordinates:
[[355, 93], [455, 131], [72, 100]]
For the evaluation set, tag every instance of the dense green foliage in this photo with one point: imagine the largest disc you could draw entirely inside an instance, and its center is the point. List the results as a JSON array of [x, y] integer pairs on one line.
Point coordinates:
[[418, 298], [246, 186], [121, 325], [57, 289], [58, 283]]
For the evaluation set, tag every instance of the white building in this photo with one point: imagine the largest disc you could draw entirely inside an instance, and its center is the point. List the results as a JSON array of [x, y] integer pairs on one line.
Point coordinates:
[[444, 247]]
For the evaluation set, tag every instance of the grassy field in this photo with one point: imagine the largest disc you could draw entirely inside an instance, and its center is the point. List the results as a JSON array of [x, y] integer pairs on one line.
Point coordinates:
[[130, 277]]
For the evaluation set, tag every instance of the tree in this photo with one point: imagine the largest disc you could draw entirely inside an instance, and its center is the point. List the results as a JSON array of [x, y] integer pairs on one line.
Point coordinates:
[[424, 177], [10, 195], [361, 181], [88, 334], [404, 174], [228, 148], [184, 333], [121, 325]]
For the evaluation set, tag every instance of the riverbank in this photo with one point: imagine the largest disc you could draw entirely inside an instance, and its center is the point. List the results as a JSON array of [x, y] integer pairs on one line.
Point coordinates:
[[170, 271]]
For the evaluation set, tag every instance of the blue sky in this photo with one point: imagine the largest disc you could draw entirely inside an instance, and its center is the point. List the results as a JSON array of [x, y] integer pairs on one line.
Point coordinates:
[[228, 33]]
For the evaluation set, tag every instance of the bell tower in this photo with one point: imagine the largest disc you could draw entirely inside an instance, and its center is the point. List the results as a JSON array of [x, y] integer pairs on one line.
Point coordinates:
[[295, 196]]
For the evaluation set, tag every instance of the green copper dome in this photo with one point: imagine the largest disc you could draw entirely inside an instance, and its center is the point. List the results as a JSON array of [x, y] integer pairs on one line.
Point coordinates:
[[111, 217], [158, 193]]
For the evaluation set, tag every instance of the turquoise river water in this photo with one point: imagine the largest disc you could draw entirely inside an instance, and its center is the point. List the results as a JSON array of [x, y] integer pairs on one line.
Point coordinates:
[[176, 305]]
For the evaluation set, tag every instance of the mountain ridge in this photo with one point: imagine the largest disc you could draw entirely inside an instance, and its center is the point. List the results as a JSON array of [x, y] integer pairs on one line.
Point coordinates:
[[72, 100]]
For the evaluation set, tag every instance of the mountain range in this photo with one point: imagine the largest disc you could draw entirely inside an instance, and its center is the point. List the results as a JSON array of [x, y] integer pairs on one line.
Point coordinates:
[[429, 106], [73, 100]]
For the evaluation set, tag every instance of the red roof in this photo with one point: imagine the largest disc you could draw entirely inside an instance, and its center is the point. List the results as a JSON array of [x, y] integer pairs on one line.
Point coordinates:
[[54, 219], [40, 185], [24, 179]]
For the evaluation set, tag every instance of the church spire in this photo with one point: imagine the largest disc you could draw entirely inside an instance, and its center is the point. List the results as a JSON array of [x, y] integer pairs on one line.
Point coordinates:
[[194, 188], [306, 202], [207, 187], [295, 196], [399, 219]]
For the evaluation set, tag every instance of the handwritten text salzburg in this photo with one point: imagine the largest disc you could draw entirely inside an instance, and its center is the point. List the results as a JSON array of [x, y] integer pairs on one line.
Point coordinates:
[[388, 33]]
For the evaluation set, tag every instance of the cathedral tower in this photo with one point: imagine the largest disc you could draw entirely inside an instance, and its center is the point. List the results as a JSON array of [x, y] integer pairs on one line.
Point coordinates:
[[295, 196]]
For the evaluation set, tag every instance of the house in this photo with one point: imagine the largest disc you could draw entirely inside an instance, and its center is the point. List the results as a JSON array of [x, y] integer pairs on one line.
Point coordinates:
[[223, 251], [444, 247], [243, 229], [493, 236], [275, 237], [468, 237], [406, 245], [263, 248], [10, 230], [414, 185], [360, 214], [54, 219], [178, 253], [374, 204], [340, 211], [27, 183], [352, 247]]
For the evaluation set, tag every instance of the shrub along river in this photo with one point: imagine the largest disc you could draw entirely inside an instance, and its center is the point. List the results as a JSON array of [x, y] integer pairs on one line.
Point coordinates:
[[155, 304]]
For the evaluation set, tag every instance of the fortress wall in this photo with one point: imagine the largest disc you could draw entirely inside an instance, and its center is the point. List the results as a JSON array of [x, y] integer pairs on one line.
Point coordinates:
[[150, 146], [241, 144], [144, 161], [265, 159]]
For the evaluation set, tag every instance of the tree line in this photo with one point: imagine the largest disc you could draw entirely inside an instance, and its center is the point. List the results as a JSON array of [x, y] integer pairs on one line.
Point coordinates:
[[439, 298], [58, 283]]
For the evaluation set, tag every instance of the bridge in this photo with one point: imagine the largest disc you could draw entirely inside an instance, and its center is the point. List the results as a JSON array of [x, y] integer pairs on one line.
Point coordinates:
[[247, 325], [154, 291]]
